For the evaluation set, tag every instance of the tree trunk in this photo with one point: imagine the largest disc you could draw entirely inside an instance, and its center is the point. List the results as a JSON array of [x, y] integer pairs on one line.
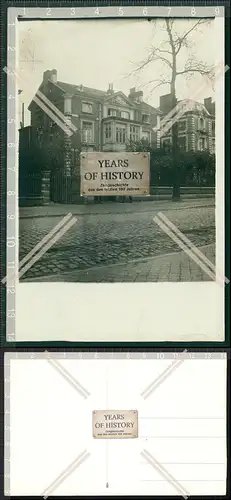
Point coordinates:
[[175, 151], [175, 159]]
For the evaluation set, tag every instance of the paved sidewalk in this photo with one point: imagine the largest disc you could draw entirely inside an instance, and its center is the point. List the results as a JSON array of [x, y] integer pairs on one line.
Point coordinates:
[[174, 267], [58, 210]]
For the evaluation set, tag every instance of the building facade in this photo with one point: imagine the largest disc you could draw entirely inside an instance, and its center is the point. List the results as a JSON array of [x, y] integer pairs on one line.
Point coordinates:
[[105, 120], [196, 127]]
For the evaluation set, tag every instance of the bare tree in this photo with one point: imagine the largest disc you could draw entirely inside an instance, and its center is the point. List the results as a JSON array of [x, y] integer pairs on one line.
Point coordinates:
[[169, 53]]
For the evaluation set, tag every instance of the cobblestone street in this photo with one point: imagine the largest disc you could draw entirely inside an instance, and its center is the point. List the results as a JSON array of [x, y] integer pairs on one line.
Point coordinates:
[[120, 246]]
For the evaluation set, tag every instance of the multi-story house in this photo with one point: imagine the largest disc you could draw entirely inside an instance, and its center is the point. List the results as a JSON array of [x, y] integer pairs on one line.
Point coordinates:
[[105, 120], [196, 127]]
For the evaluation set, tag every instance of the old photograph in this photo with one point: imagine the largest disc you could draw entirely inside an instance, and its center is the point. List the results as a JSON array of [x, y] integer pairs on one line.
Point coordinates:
[[117, 150]]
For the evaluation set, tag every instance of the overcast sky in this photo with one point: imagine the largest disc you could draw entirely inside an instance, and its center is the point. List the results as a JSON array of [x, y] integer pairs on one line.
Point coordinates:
[[96, 53]]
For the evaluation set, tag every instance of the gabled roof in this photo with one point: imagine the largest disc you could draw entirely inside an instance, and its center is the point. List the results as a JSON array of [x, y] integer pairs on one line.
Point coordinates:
[[72, 89], [100, 94], [103, 94], [120, 94]]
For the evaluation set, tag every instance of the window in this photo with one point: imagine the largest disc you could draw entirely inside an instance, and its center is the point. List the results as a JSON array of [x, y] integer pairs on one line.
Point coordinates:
[[134, 133], [213, 146], [40, 134], [145, 118], [120, 134], [182, 143], [138, 116], [146, 136], [213, 127], [111, 112], [125, 114], [87, 131], [67, 105], [201, 123], [182, 125], [202, 144], [108, 131], [87, 107], [52, 128]]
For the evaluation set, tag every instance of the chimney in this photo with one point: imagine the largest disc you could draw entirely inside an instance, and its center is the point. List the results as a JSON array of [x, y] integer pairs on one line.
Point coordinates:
[[136, 95], [110, 88], [166, 103], [209, 105], [208, 101], [50, 75]]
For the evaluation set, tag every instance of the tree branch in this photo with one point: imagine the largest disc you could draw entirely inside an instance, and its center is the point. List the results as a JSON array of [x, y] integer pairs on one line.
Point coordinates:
[[161, 58], [182, 38], [158, 85], [160, 81], [169, 30], [193, 66], [194, 70], [163, 51], [154, 55]]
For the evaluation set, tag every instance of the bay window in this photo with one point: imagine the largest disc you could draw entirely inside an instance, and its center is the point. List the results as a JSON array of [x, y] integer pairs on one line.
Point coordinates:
[[134, 133], [120, 134]]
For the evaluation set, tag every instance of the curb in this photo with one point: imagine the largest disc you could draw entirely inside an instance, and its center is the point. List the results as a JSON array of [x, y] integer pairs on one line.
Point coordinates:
[[87, 269], [63, 214]]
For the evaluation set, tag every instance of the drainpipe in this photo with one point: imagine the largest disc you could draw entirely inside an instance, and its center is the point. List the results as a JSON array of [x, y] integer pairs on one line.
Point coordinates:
[[100, 127], [23, 115]]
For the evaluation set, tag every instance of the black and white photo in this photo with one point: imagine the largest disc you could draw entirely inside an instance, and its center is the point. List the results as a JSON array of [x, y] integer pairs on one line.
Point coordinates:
[[153, 92], [115, 178]]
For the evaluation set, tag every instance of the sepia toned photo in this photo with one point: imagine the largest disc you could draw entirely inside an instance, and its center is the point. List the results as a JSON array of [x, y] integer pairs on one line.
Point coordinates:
[[112, 90]]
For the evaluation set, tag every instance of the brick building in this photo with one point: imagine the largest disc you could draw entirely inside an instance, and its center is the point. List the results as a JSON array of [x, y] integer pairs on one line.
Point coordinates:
[[196, 128], [105, 120]]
